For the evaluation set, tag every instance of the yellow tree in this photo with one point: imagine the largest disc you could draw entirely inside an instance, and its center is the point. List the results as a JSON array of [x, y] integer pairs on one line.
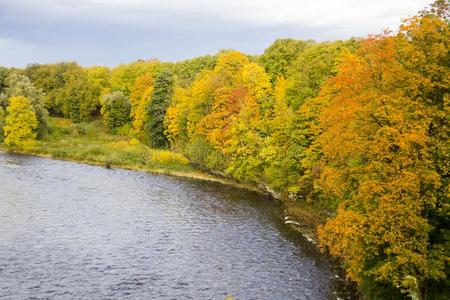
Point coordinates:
[[140, 98], [176, 117], [256, 80], [20, 122]]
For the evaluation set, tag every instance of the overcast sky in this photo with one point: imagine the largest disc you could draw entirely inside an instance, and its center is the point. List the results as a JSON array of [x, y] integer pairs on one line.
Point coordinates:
[[109, 32]]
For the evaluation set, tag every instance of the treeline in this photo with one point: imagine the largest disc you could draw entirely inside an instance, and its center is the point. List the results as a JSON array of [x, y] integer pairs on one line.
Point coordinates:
[[358, 128]]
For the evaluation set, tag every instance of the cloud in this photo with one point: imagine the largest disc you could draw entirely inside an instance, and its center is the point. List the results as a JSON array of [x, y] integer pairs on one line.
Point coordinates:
[[113, 31], [252, 12]]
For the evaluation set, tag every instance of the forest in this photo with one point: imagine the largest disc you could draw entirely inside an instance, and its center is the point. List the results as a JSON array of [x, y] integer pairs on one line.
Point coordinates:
[[358, 129]]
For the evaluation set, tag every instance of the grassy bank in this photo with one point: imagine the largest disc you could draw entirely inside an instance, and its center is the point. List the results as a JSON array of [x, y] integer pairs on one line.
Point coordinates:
[[91, 143]]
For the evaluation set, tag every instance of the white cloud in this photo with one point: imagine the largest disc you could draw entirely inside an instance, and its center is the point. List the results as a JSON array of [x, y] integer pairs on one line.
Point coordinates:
[[347, 13], [106, 31]]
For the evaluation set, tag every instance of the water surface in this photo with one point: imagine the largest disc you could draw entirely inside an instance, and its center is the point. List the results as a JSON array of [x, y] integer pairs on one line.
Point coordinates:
[[70, 231]]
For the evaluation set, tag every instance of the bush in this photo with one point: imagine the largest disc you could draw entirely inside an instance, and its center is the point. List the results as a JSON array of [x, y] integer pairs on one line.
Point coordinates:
[[167, 157], [21, 123]]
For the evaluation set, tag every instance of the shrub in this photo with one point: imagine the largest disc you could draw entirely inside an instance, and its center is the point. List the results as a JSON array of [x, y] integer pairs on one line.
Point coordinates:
[[167, 157], [21, 122]]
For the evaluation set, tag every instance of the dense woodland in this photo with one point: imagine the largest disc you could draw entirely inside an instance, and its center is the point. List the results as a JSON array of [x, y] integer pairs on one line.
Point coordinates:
[[358, 128]]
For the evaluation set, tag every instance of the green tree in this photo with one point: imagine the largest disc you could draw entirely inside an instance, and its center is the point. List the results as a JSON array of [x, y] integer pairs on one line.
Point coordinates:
[[20, 122], [3, 75], [51, 80], [311, 68], [78, 99], [115, 110], [185, 72], [281, 54], [156, 111], [99, 81]]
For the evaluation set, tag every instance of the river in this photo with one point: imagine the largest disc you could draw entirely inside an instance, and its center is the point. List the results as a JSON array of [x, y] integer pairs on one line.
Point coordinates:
[[74, 231]]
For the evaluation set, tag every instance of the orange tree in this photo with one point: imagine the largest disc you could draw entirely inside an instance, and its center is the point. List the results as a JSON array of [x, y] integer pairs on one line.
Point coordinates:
[[384, 158]]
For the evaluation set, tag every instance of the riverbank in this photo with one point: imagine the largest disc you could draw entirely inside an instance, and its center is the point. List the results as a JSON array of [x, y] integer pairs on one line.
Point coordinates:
[[90, 143]]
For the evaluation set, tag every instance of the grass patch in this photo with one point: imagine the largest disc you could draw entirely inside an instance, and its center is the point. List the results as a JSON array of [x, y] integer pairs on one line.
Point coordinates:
[[92, 143]]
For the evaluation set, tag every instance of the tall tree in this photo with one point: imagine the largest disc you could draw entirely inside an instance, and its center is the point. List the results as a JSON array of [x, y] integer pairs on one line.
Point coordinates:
[[140, 98], [78, 99], [156, 110], [281, 54]]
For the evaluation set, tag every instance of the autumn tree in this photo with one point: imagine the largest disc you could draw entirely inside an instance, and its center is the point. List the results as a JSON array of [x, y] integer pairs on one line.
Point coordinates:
[[20, 122], [20, 85], [384, 157], [176, 118], [123, 77], [140, 98]]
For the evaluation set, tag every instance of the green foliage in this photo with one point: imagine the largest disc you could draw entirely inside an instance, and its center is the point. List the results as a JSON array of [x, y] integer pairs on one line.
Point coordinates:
[[281, 54], [311, 68], [123, 77], [115, 110], [51, 80], [78, 99], [185, 72], [203, 155], [92, 142], [156, 110], [98, 81], [20, 123], [2, 123], [4, 72]]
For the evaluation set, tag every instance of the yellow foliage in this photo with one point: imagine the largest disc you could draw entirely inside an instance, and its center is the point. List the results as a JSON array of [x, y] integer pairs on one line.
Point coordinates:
[[167, 157], [257, 81], [20, 122], [133, 142], [140, 99]]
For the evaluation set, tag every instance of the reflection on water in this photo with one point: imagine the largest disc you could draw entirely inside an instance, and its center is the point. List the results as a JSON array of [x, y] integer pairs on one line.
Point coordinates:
[[75, 231]]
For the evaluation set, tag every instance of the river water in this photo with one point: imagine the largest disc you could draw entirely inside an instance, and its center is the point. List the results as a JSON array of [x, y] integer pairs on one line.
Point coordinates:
[[73, 231]]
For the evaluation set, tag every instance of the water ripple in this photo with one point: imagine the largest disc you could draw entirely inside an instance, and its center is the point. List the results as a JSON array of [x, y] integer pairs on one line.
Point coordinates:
[[71, 231]]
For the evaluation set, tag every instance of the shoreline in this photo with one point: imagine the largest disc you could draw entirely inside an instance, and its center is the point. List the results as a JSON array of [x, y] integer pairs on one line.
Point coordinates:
[[197, 175], [300, 218], [295, 221]]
